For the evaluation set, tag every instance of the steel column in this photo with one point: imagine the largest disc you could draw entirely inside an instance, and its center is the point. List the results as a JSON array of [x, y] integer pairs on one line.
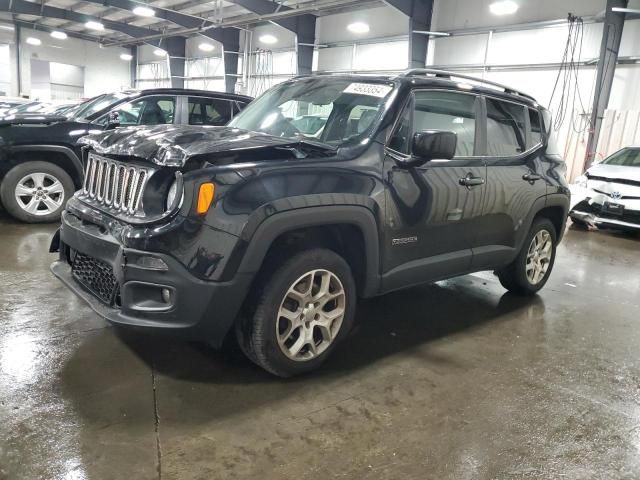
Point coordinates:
[[176, 48], [609, 47], [420, 13]]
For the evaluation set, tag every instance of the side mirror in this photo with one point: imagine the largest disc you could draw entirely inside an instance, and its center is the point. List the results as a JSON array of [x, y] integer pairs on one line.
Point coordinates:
[[431, 145], [113, 120]]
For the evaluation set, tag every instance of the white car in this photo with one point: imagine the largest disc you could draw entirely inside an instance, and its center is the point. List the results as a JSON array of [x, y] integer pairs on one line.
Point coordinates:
[[608, 194]]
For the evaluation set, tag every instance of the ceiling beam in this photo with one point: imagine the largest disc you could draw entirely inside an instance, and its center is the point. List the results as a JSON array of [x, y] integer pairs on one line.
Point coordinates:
[[266, 7], [22, 7], [39, 27]]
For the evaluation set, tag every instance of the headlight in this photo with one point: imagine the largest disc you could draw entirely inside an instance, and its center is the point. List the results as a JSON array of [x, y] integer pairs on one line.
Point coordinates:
[[581, 181], [175, 191]]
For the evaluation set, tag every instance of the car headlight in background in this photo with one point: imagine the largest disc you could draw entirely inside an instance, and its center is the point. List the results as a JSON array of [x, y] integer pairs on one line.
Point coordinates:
[[581, 181], [176, 194]]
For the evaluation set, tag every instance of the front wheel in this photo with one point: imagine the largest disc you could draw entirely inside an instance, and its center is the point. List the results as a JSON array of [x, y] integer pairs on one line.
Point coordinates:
[[303, 310], [529, 272], [36, 192]]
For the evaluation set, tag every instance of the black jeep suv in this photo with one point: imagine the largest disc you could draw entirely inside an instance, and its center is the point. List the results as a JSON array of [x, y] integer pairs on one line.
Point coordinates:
[[40, 165], [272, 233]]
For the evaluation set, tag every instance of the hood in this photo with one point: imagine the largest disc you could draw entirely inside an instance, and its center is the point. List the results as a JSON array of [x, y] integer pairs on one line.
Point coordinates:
[[615, 172], [31, 119], [172, 145]]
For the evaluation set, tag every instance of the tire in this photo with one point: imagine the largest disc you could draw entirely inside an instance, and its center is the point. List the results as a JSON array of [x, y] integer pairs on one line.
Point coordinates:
[[279, 344], [514, 276], [35, 206]]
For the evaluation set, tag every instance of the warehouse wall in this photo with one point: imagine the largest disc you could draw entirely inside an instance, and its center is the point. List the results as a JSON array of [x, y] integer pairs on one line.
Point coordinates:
[[103, 68]]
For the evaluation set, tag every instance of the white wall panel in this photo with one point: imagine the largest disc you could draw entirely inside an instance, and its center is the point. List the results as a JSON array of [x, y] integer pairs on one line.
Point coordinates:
[[465, 50], [382, 21], [382, 56], [455, 14], [337, 58], [104, 70], [5, 70]]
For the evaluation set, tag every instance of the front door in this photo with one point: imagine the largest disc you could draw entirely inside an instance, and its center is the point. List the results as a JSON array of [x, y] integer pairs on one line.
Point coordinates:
[[432, 209]]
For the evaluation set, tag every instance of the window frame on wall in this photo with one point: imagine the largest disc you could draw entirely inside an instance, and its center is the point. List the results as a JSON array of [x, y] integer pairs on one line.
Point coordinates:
[[407, 107]]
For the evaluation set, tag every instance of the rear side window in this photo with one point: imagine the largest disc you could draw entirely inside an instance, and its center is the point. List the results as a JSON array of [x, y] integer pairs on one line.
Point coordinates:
[[437, 110], [505, 128], [209, 111], [536, 127]]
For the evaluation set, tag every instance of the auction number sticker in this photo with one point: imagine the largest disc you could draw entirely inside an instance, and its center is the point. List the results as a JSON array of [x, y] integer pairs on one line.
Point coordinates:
[[370, 89]]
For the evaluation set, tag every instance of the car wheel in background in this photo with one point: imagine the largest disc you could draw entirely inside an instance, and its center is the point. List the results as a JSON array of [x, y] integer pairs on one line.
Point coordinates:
[[36, 192]]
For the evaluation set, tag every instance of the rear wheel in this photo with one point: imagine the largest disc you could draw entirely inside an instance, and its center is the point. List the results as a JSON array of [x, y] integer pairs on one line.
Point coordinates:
[[36, 192], [303, 310], [529, 272]]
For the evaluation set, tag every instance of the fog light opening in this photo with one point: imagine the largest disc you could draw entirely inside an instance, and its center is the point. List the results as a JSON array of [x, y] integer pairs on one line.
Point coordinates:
[[166, 295]]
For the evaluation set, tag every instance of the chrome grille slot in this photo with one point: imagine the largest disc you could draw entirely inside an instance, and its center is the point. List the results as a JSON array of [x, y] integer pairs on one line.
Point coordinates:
[[117, 186]]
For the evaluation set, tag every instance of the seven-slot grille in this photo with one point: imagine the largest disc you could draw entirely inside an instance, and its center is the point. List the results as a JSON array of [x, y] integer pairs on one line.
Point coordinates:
[[116, 185]]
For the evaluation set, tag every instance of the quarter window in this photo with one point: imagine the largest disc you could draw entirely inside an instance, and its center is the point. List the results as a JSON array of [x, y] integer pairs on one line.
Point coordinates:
[[436, 110], [209, 111], [505, 128], [536, 127]]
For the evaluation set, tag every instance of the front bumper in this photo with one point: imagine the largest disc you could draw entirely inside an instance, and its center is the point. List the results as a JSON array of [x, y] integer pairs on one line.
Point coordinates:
[[595, 211], [195, 308]]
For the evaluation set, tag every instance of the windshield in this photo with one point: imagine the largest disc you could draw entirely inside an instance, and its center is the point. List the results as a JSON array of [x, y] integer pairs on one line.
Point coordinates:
[[97, 104], [627, 157], [328, 110]]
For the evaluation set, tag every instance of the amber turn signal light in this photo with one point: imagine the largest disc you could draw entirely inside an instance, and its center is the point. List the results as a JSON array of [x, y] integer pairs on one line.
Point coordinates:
[[205, 197]]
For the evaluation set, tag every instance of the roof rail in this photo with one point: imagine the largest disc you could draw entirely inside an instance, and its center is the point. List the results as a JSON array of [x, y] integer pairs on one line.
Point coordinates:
[[414, 72]]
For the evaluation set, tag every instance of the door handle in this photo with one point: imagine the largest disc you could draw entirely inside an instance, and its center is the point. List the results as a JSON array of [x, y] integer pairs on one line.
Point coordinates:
[[471, 181], [531, 177]]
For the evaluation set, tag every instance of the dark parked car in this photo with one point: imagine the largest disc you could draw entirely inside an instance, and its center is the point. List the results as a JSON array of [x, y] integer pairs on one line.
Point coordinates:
[[40, 165], [259, 229]]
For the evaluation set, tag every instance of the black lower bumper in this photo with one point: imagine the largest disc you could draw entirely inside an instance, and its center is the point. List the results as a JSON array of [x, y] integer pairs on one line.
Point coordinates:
[[193, 308], [595, 214]]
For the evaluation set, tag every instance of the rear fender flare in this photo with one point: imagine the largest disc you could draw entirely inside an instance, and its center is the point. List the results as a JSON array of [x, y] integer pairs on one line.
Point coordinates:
[[75, 163]]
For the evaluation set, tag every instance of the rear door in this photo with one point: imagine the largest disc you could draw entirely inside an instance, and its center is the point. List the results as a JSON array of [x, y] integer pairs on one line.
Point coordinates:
[[515, 180], [432, 209]]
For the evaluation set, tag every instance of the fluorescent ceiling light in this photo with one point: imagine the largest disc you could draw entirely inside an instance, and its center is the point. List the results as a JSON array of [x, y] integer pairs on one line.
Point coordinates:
[[270, 39], [206, 47], [142, 11], [503, 7], [6, 27], [126, 57], [59, 35], [34, 41], [358, 27], [94, 25], [159, 52]]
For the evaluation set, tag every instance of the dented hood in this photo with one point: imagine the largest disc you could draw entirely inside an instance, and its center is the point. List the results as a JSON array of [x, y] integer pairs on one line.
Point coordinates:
[[171, 145]]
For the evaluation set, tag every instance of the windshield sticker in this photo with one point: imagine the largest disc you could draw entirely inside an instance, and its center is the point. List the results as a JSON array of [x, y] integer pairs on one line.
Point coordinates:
[[369, 89]]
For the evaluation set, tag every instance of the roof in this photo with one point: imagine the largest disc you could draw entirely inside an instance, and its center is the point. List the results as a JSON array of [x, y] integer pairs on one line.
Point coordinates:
[[190, 91], [440, 78]]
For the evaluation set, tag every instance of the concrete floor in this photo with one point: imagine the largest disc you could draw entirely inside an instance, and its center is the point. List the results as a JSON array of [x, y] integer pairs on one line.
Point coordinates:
[[450, 381]]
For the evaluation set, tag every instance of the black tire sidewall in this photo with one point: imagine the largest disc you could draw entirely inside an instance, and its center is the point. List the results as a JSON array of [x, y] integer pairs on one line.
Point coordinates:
[[540, 224], [11, 179], [263, 341]]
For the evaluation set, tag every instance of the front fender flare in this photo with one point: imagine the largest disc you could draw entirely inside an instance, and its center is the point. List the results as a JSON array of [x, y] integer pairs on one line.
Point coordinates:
[[272, 227]]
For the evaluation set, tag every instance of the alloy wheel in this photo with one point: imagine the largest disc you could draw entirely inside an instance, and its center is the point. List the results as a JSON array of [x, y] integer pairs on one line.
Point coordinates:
[[39, 194], [539, 257], [310, 315]]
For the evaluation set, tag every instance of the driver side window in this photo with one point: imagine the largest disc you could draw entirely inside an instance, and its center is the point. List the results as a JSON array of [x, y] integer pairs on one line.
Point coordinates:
[[438, 110], [154, 110]]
